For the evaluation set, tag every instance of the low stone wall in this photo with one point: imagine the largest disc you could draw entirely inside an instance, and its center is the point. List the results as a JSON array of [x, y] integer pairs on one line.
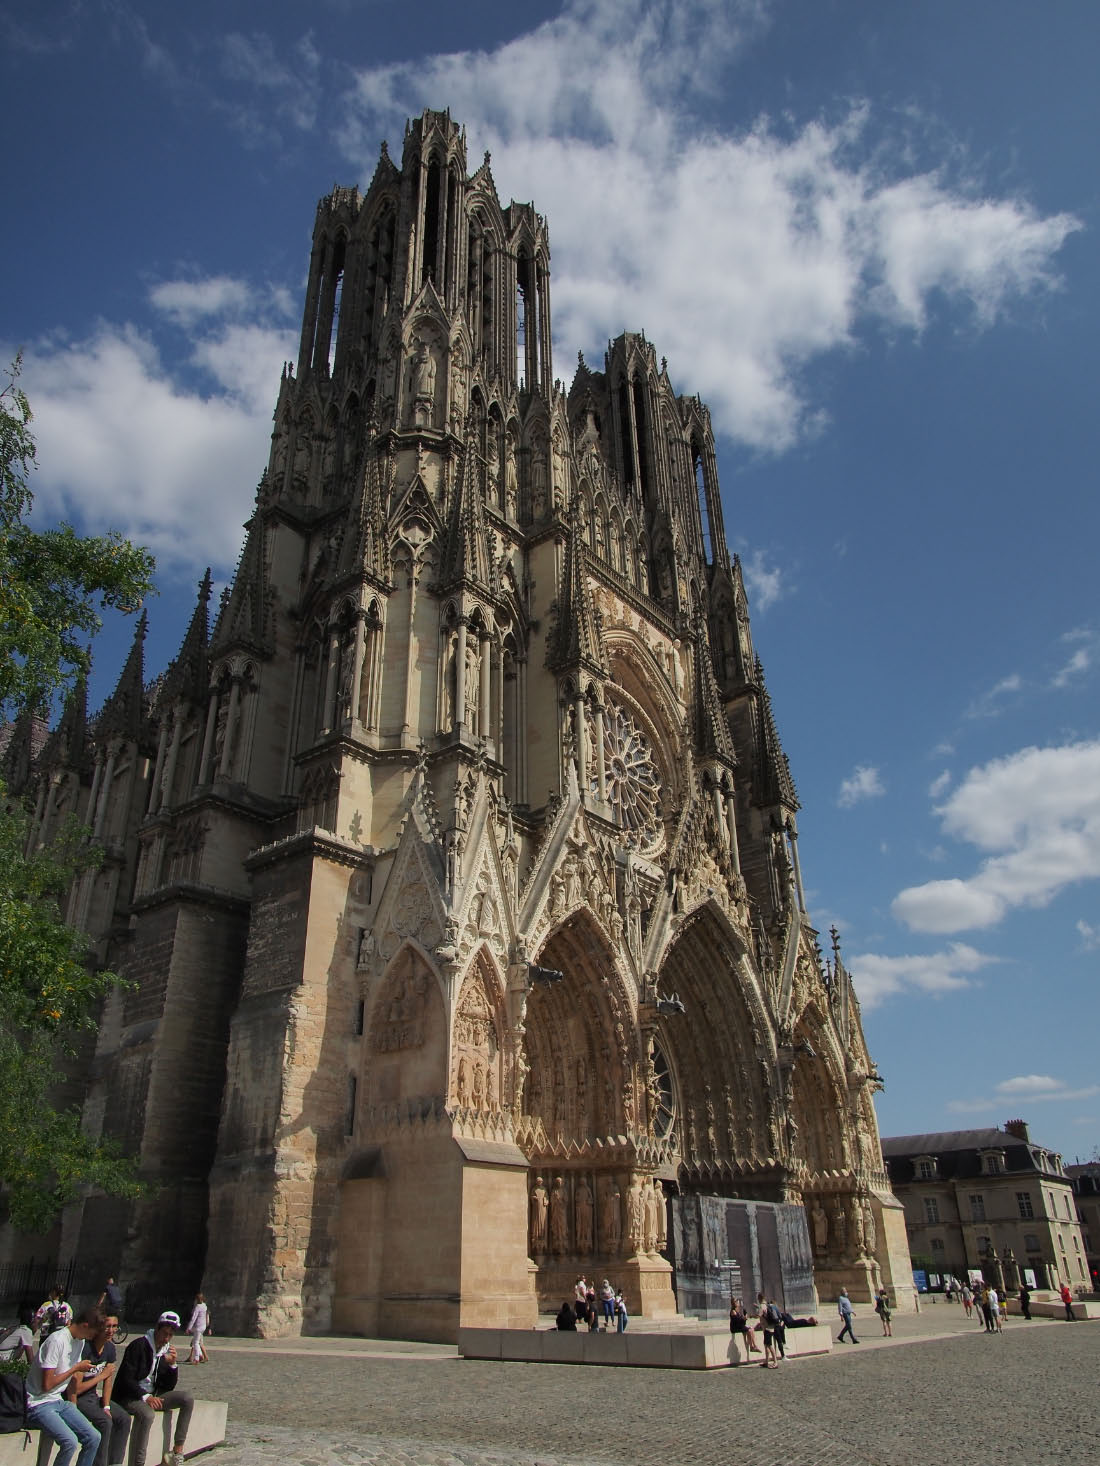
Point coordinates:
[[1055, 1308], [636, 1349], [207, 1429]]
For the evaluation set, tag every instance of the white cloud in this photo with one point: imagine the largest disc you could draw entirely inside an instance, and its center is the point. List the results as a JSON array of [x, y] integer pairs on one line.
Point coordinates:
[[877, 977], [122, 444], [1078, 664], [745, 256], [291, 89], [1090, 936], [1035, 1089], [763, 582], [187, 301], [939, 784], [864, 783], [990, 704], [1037, 814]]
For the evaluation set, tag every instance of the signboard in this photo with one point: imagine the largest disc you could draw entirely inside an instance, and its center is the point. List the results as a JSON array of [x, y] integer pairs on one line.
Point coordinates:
[[920, 1280], [1029, 1278]]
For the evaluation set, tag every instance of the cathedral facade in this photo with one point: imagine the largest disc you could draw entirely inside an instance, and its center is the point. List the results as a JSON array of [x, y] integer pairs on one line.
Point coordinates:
[[455, 867]]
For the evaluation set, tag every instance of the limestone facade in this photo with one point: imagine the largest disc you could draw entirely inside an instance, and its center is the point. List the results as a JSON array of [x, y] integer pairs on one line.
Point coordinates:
[[456, 868]]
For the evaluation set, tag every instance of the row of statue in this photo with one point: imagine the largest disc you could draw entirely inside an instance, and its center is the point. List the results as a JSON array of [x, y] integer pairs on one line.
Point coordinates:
[[849, 1230], [593, 1219]]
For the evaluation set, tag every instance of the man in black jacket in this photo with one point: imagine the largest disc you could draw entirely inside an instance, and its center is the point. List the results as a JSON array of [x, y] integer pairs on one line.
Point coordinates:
[[146, 1384]]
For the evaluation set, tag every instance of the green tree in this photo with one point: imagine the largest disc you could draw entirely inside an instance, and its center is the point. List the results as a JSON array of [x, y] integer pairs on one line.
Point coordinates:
[[51, 581], [52, 584]]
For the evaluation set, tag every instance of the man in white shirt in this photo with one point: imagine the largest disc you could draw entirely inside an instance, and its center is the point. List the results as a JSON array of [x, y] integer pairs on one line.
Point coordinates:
[[57, 1362]]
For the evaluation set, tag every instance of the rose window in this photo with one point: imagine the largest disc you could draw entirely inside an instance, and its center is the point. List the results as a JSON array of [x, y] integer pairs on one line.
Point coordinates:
[[633, 788]]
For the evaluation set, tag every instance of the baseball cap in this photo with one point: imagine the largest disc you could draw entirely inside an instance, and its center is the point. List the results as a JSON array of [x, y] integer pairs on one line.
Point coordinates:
[[169, 1317]]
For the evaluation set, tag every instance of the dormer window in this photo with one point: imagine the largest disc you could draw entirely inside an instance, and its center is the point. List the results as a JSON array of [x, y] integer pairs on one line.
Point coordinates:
[[927, 1169]]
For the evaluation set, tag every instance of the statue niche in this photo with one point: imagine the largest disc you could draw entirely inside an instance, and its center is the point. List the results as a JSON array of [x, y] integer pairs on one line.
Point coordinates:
[[476, 1050], [405, 1033]]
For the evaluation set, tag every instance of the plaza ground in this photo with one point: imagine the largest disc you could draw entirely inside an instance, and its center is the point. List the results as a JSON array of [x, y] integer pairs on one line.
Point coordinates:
[[940, 1390]]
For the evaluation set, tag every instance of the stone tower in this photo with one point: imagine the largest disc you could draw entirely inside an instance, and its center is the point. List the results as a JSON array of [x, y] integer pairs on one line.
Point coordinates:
[[456, 869]]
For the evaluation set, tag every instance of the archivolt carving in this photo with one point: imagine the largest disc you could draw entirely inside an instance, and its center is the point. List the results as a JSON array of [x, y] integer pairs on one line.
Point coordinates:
[[399, 1012], [476, 1047]]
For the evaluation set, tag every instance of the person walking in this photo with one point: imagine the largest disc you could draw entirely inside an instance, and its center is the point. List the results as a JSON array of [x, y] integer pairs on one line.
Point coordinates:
[[1067, 1301], [968, 1300], [1025, 1301], [844, 1308], [197, 1325]]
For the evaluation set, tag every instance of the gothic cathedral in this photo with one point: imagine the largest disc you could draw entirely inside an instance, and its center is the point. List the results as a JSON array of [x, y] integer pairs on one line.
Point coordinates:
[[455, 870]]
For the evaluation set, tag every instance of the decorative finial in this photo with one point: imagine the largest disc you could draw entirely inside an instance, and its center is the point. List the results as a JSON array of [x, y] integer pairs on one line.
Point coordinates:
[[384, 152], [485, 161]]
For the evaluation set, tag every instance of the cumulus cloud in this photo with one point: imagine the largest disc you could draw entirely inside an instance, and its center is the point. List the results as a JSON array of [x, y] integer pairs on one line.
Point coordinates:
[[1037, 815], [289, 87], [939, 784], [877, 977], [864, 783], [1085, 642], [745, 256], [123, 444], [1090, 936], [188, 301]]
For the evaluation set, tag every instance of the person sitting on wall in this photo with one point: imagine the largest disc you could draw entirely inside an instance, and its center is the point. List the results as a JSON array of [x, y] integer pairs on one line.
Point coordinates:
[[567, 1319], [146, 1384], [739, 1324], [108, 1417], [18, 1343], [57, 1362]]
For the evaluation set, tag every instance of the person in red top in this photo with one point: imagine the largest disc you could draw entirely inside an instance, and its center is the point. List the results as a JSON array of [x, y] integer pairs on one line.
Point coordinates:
[[1067, 1299]]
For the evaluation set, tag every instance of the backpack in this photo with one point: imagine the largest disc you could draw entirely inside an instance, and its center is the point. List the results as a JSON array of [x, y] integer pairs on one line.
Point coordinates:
[[13, 1403], [774, 1317]]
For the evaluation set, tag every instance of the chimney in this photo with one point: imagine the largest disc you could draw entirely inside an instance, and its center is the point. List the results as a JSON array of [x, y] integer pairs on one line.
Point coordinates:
[[1017, 1128]]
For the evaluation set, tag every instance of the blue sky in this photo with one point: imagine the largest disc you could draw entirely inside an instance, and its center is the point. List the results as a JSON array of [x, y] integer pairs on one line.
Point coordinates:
[[864, 233]]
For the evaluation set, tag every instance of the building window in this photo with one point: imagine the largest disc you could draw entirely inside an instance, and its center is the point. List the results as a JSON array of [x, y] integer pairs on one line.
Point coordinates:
[[993, 1165], [1061, 1242], [977, 1208], [931, 1209], [1065, 1203], [1023, 1201], [1080, 1269], [926, 1170], [1076, 1244], [937, 1244], [983, 1246], [360, 1009], [1031, 1242]]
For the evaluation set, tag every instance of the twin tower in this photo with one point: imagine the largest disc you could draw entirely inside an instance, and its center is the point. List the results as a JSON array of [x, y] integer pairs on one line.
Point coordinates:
[[408, 855]]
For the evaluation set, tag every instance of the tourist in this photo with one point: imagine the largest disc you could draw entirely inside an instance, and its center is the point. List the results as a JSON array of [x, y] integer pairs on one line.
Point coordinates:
[[607, 1303], [18, 1343], [1067, 1301], [1025, 1300], [790, 1322], [771, 1359], [739, 1324], [882, 1308], [56, 1363], [844, 1308], [775, 1321], [994, 1312], [968, 1300], [590, 1309], [109, 1418], [986, 1314], [146, 1384], [110, 1300], [55, 1313], [566, 1321], [197, 1325], [622, 1318]]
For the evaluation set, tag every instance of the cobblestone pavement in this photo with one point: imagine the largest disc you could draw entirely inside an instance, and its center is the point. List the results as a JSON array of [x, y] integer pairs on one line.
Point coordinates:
[[941, 1389]]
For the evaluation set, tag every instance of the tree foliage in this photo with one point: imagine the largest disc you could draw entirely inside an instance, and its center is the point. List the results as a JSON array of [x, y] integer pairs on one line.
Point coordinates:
[[51, 583]]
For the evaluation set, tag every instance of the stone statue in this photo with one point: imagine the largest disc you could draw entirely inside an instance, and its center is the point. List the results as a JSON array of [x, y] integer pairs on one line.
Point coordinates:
[[870, 1233], [424, 374], [462, 1083], [477, 1094], [611, 1230], [538, 1210], [662, 1221], [821, 1228], [511, 481], [649, 1203], [840, 1228], [582, 1210], [559, 1222], [635, 1217]]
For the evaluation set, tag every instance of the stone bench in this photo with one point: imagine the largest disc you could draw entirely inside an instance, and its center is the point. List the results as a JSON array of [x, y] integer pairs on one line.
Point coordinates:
[[207, 1429], [1055, 1308], [636, 1348]]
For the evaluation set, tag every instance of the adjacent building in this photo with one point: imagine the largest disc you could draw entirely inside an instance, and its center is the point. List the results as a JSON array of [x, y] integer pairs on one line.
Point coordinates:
[[989, 1200]]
